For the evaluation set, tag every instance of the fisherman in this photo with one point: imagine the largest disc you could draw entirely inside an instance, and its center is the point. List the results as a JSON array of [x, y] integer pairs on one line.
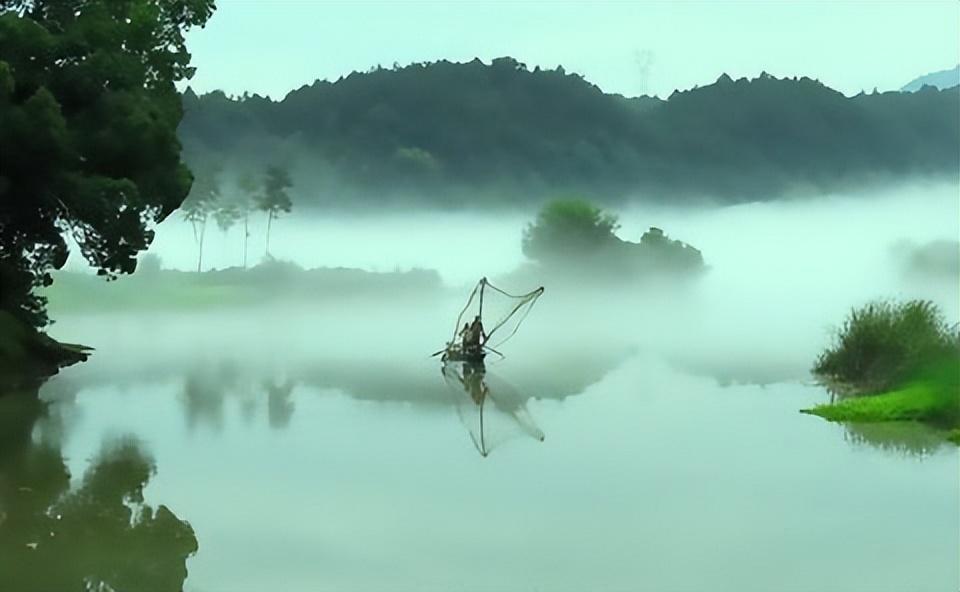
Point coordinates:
[[464, 337], [476, 336]]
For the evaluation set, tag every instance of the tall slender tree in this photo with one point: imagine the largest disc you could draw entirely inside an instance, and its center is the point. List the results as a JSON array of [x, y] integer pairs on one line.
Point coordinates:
[[274, 200], [202, 201], [249, 187], [226, 213]]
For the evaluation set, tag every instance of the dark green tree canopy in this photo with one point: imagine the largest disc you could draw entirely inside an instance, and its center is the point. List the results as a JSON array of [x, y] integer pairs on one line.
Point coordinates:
[[88, 119], [454, 133]]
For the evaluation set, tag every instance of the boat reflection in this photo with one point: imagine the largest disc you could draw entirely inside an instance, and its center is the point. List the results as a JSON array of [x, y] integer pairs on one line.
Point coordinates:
[[490, 408]]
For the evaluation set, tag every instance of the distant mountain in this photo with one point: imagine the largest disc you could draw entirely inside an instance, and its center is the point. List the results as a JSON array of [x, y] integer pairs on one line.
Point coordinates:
[[942, 79], [455, 134]]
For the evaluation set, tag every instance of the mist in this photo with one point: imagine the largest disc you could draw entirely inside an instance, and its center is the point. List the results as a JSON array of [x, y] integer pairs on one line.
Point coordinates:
[[617, 378], [469, 318], [780, 277]]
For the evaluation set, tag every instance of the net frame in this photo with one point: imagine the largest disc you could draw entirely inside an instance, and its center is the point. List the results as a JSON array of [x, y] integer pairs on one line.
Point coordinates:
[[525, 303]]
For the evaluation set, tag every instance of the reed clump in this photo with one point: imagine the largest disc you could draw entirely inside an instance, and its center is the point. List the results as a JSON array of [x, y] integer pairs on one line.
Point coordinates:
[[885, 344]]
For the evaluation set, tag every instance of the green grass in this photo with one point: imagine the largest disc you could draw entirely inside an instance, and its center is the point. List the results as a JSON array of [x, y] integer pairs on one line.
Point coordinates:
[[900, 361], [187, 291], [915, 402], [933, 398], [86, 293]]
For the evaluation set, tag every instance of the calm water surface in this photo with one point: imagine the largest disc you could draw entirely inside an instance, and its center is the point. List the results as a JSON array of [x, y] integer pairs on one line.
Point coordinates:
[[364, 473], [629, 443]]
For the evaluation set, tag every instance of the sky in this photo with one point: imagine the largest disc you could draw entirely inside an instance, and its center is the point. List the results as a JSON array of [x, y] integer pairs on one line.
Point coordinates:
[[631, 48]]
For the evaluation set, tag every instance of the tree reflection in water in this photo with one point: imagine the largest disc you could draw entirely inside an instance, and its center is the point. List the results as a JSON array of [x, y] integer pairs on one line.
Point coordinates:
[[99, 535]]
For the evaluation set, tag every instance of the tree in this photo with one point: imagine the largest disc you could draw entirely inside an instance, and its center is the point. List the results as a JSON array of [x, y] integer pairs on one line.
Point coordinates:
[[274, 199], [249, 186], [574, 234], [227, 213], [201, 202], [569, 229], [88, 121]]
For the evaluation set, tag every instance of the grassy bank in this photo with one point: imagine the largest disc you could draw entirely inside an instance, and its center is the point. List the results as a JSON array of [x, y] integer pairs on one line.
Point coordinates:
[[234, 287], [933, 398], [895, 362]]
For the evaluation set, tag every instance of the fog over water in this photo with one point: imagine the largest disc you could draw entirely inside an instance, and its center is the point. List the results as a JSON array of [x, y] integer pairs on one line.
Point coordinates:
[[318, 443]]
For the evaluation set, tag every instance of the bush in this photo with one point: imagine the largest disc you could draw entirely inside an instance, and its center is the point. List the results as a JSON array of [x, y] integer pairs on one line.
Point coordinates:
[[570, 229], [573, 234], [884, 344]]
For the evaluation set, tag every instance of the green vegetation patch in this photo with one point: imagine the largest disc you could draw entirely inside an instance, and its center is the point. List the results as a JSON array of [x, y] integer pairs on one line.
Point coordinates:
[[883, 345], [921, 401], [170, 290], [900, 361], [574, 234]]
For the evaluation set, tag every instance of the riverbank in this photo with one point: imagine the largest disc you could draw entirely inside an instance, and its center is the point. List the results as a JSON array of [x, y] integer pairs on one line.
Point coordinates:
[[28, 357], [932, 399], [167, 289]]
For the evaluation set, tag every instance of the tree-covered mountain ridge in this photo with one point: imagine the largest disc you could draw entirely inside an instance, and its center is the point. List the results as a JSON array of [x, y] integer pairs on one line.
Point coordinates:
[[456, 133]]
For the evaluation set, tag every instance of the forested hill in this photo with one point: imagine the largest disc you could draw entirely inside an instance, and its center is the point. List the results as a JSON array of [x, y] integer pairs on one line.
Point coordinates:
[[448, 133]]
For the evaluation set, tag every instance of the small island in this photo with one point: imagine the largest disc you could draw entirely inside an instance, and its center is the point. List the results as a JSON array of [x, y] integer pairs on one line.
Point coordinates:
[[573, 236]]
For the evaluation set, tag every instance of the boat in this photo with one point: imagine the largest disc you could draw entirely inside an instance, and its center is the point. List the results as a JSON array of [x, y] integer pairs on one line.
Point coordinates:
[[471, 342]]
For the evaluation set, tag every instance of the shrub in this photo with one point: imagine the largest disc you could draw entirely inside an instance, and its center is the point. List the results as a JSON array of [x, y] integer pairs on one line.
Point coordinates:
[[884, 344], [570, 229]]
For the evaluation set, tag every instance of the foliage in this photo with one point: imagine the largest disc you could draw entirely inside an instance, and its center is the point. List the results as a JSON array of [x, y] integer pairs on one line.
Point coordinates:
[[883, 344], [274, 199], [575, 234], [451, 131], [570, 228], [88, 119], [227, 213], [202, 201], [249, 187], [656, 249]]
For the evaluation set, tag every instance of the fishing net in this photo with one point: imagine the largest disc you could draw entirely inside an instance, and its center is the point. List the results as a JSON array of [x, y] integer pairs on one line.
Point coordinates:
[[492, 411], [500, 312]]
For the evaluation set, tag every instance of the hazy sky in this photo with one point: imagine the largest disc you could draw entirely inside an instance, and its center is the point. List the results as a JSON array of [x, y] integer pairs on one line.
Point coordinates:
[[272, 47]]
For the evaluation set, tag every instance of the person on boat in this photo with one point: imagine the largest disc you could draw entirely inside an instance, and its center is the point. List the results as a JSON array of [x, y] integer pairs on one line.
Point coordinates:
[[464, 337], [476, 337]]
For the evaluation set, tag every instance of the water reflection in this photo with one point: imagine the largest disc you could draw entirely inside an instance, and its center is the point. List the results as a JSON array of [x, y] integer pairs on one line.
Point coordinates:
[[279, 404], [100, 535], [491, 410], [208, 385], [905, 437]]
